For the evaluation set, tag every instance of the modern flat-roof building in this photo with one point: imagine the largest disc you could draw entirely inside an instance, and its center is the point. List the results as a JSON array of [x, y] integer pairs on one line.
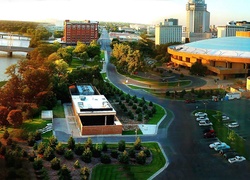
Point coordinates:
[[229, 30], [227, 57], [84, 31], [94, 114], [167, 32]]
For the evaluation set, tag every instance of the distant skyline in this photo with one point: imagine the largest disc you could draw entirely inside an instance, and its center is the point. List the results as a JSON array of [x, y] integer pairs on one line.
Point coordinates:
[[132, 11]]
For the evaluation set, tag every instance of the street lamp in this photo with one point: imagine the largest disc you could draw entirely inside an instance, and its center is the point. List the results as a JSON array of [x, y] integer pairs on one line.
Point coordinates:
[[205, 104]]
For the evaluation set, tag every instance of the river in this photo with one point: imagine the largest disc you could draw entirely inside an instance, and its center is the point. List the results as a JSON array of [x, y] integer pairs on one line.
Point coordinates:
[[6, 61]]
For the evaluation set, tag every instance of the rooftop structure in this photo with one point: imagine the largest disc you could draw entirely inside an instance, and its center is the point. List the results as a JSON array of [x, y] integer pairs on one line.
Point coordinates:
[[94, 114], [227, 57]]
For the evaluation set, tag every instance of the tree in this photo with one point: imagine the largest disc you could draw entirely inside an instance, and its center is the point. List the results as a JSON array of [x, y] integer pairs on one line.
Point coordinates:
[[15, 117], [55, 163], [123, 158], [49, 153], [3, 115], [198, 69], [80, 48], [87, 155], [71, 143], [137, 144], [121, 145], [85, 172], [52, 141], [60, 148], [141, 157], [38, 163], [64, 173]]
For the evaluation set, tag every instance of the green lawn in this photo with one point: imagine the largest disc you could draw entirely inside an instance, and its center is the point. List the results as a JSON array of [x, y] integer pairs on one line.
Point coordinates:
[[58, 111], [124, 172], [157, 116]]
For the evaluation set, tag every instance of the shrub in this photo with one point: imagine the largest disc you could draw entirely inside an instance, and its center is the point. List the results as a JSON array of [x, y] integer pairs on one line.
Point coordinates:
[[137, 144], [31, 139], [121, 145], [69, 154], [32, 156], [64, 173], [79, 148], [38, 135], [104, 146], [147, 152], [60, 149], [105, 159], [52, 142], [88, 144], [141, 158], [139, 118], [41, 148], [84, 172], [3, 150], [96, 151], [150, 103], [6, 134], [49, 153], [134, 106], [131, 152], [138, 110], [141, 103], [38, 163], [114, 154], [123, 158], [55, 163], [9, 141], [145, 107], [87, 155], [77, 164], [71, 143]]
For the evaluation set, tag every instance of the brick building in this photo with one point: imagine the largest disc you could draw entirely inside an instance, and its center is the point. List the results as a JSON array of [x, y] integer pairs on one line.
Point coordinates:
[[84, 31], [93, 113]]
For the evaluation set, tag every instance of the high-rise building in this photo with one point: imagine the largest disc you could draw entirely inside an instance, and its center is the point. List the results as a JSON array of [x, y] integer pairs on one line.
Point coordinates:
[[84, 31], [167, 32], [198, 18]]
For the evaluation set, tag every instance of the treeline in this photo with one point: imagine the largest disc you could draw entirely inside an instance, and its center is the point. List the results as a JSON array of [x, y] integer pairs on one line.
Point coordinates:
[[38, 83], [20, 27]]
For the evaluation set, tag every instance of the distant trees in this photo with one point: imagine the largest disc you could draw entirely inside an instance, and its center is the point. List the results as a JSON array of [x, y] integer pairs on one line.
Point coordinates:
[[198, 69]]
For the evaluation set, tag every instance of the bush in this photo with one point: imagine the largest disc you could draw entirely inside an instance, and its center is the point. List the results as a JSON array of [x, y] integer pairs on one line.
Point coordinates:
[[84, 172], [6, 134], [137, 144], [139, 118], [9, 141], [150, 103], [69, 154], [131, 152], [52, 142], [38, 163], [79, 148], [31, 139], [114, 154], [121, 145], [55, 163], [138, 110], [60, 149], [38, 135], [87, 155], [49, 153], [147, 152], [41, 148], [134, 107], [77, 164], [104, 146], [141, 158], [3, 150], [130, 103], [64, 173], [105, 159], [96, 151], [71, 143], [123, 158]]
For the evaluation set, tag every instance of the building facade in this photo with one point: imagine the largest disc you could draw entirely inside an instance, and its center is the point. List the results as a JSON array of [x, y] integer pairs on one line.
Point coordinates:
[[229, 30], [167, 33], [227, 57], [198, 18], [84, 31], [94, 115]]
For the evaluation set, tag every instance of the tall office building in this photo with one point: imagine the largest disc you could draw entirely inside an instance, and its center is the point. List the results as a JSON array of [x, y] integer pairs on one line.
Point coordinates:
[[166, 32], [84, 31], [198, 18]]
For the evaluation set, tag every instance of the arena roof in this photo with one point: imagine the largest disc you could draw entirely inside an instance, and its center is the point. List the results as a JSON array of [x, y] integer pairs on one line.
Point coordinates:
[[226, 46]]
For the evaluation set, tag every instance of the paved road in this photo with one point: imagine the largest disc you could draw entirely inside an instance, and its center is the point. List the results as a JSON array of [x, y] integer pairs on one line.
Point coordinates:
[[181, 138]]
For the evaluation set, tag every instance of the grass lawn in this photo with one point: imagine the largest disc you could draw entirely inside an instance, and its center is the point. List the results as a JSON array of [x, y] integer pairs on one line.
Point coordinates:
[[124, 172], [157, 116], [58, 111], [32, 125]]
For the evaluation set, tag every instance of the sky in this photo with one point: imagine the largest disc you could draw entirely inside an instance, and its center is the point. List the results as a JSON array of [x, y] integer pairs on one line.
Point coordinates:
[[133, 11]]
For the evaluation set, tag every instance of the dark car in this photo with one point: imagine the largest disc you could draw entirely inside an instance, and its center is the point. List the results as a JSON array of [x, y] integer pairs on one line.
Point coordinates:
[[230, 155], [210, 134], [223, 151], [208, 130]]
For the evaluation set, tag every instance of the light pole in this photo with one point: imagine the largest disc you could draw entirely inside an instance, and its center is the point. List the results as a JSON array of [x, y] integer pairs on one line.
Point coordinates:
[[205, 104]]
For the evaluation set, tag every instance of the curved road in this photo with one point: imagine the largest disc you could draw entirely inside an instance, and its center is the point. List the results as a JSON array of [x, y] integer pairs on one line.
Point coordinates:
[[181, 138]]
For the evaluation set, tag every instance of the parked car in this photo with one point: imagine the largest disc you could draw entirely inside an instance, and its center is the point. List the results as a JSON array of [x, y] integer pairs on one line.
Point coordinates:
[[202, 118], [212, 145], [205, 123], [236, 159], [220, 147], [208, 129], [225, 118], [223, 151], [199, 114], [233, 125], [230, 154], [210, 134]]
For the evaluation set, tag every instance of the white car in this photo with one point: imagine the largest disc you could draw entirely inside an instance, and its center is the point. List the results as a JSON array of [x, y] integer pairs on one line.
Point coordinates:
[[214, 144], [202, 118], [199, 114], [236, 159], [205, 123], [225, 118], [233, 125]]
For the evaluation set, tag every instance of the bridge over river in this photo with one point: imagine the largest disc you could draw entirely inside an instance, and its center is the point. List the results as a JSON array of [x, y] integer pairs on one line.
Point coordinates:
[[11, 49]]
